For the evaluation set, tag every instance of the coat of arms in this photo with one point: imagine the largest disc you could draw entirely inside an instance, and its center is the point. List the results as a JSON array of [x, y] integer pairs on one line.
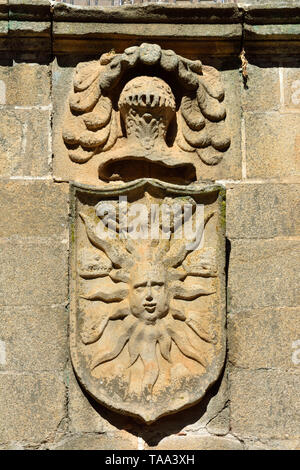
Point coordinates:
[[147, 288]]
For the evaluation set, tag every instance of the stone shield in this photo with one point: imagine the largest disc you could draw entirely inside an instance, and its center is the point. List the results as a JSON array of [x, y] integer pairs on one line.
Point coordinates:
[[147, 287]]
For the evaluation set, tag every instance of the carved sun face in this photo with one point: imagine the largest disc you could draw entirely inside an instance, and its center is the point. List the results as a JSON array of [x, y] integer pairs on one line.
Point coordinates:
[[146, 281], [148, 294]]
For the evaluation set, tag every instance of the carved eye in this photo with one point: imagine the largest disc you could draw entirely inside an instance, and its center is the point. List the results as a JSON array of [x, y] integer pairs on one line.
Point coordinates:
[[158, 286], [139, 288]]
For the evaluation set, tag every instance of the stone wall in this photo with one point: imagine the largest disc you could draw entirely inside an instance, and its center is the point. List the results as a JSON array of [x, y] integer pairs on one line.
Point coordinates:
[[255, 404]]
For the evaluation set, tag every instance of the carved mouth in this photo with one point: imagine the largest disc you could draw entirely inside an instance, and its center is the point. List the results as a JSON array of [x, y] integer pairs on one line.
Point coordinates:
[[150, 307], [130, 169]]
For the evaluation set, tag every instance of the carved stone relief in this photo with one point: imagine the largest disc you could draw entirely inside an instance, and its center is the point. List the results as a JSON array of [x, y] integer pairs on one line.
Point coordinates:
[[147, 307], [147, 271], [146, 113]]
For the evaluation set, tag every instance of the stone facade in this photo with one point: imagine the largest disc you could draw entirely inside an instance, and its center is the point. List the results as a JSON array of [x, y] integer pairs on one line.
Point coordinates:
[[254, 404]]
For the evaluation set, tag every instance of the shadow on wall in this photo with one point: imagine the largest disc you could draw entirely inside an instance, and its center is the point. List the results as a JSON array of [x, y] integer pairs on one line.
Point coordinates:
[[169, 425]]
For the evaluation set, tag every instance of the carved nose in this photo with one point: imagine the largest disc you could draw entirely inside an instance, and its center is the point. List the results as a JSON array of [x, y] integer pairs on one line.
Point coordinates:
[[149, 295]]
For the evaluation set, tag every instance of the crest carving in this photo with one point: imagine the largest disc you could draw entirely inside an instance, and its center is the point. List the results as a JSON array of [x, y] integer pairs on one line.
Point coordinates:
[[147, 313], [148, 105]]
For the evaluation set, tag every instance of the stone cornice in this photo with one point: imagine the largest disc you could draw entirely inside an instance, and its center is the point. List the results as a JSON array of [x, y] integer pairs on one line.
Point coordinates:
[[206, 12], [268, 13], [205, 28]]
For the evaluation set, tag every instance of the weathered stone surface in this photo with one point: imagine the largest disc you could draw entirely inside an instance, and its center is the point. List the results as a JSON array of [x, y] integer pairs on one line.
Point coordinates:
[[264, 338], [165, 355], [291, 81], [257, 96], [215, 416], [32, 407], [26, 10], [33, 209], [3, 28], [270, 153], [107, 30], [29, 28], [272, 444], [199, 13], [26, 84], [34, 271], [34, 338], [120, 441], [220, 425], [262, 210], [272, 31], [276, 12], [263, 274], [85, 414], [12, 446], [24, 142], [201, 442], [4, 11], [265, 404]]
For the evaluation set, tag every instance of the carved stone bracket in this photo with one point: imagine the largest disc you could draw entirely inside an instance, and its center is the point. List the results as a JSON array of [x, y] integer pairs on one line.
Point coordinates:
[[147, 303], [150, 106]]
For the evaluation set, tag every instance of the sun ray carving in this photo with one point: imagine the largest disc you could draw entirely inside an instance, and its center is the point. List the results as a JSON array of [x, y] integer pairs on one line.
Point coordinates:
[[144, 283]]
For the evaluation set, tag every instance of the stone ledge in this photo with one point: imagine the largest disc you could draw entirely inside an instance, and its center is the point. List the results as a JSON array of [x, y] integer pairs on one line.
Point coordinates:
[[29, 28], [156, 30], [3, 9], [28, 10], [216, 28], [153, 13], [269, 13], [272, 31], [203, 13]]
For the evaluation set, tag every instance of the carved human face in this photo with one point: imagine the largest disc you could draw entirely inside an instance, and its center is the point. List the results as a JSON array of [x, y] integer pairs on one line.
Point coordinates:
[[148, 295]]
